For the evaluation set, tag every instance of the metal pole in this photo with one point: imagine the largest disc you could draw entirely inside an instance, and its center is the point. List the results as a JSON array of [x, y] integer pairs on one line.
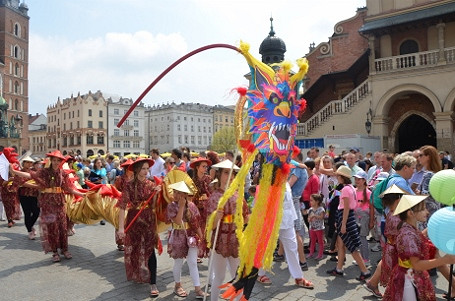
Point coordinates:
[[216, 236]]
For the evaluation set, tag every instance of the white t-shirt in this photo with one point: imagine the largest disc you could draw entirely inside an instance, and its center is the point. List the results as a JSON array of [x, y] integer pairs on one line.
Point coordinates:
[[157, 169]]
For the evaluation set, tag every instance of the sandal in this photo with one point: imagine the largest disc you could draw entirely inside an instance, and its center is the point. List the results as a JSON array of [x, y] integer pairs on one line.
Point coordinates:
[[199, 260], [302, 282], [67, 255], [200, 294], [55, 257], [154, 292], [373, 290], [121, 247], [180, 292], [264, 280]]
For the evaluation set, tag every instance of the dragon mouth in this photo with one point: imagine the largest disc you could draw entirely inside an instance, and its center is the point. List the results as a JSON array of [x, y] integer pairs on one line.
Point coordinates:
[[281, 135]]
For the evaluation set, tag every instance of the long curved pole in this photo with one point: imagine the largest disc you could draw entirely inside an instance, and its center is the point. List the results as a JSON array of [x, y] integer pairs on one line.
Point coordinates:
[[169, 69]]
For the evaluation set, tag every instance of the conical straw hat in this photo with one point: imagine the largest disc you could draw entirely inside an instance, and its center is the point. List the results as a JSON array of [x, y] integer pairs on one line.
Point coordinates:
[[408, 201], [181, 186], [393, 189], [225, 164]]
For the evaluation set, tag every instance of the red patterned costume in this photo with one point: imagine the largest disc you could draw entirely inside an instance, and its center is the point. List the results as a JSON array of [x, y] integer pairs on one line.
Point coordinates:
[[227, 243], [389, 254], [53, 223], [142, 238], [411, 243], [10, 201], [177, 246], [202, 186]]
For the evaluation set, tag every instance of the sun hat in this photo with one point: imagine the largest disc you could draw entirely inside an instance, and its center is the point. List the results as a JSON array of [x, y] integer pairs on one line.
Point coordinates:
[[361, 175], [127, 163], [181, 186], [148, 160], [56, 154], [199, 160], [382, 176], [28, 159], [225, 164], [394, 189], [344, 171], [408, 201]]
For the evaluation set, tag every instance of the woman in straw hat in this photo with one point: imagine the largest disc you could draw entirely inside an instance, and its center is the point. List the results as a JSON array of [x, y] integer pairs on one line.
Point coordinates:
[[28, 196], [142, 237], [53, 181], [390, 198], [416, 254], [185, 237], [226, 246], [348, 234]]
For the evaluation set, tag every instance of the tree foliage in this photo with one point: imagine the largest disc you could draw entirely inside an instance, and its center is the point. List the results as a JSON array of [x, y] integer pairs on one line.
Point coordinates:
[[224, 140]]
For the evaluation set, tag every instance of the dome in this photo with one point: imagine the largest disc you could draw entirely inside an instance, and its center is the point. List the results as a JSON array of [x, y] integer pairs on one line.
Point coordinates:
[[272, 48]]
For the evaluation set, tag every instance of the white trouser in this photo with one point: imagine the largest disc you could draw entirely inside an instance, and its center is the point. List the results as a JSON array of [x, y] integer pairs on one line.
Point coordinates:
[[191, 260], [289, 241], [409, 292], [219, 264]]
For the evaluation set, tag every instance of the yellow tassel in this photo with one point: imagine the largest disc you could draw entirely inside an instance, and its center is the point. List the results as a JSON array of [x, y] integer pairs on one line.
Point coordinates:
[[244, 46]]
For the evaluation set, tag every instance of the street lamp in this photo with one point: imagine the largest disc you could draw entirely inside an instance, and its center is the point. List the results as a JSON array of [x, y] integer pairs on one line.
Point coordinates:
[[368, 122]]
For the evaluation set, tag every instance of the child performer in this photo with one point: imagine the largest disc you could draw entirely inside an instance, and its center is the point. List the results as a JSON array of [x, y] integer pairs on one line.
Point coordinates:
[[316, 219]]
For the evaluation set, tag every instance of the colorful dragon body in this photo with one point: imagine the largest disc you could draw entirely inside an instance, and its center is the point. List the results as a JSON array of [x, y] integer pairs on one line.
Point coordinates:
[[272, 114]]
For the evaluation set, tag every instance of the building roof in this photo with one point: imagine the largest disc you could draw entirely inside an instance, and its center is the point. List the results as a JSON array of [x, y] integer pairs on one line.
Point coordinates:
[[414, 16]]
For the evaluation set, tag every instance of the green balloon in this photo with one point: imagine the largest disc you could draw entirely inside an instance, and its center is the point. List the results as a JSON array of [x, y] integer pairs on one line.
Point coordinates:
[[442, 186]]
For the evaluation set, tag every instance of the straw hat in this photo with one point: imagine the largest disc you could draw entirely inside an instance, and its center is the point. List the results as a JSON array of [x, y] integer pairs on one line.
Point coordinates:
[[199, 160], [28, 159], [408, 201], [149, 161], [344, 171], [225, 164], [56, 154], [393, 189], [181, 186]]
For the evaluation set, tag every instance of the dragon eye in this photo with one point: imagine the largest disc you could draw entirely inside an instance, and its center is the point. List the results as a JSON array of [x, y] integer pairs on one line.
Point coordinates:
[[274, 98]]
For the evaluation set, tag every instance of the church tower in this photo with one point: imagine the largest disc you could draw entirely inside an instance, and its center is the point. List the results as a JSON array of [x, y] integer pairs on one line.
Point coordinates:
[[14, 56], [272, 48]]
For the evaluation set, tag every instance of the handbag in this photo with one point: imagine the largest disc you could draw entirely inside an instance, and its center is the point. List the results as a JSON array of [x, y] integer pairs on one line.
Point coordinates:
[[191, 241]]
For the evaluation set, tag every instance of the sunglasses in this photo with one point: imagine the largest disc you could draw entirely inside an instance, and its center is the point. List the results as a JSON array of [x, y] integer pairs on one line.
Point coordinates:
[[171, 162]]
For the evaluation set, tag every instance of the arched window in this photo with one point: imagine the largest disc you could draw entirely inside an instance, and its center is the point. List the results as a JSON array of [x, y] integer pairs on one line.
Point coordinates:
[[17, 52], [17, 30], [16, 69], [16, 87], [409, 46], [16, 105]]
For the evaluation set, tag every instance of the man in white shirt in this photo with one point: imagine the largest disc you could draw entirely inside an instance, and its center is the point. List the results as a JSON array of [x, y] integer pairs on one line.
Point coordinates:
[[158, 168]]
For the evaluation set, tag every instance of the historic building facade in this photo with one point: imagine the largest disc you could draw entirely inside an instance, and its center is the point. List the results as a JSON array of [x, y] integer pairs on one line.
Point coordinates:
[[175, 125], [222, 116], [78, 124], [37, 135], [14, 56], [398, 86], [130, 137]]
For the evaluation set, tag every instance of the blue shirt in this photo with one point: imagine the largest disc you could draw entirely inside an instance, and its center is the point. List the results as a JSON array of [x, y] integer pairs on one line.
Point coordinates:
[[302, 179], [400, 182]]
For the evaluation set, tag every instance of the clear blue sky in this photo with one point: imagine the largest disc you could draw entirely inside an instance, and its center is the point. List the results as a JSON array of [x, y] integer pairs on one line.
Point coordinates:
[[120, 46]]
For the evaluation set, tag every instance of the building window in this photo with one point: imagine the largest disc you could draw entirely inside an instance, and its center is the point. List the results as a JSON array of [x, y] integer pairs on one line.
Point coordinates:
[[409, 46], [136, 113], [178, 117], [199, 140], [127, 122], [180, 139], [17, 30], [136, 133], [126, 133], [167, 139], [116, 120], [168, 128], [116, 132], [101, 114], [126, 144], [90, 124], [204, 130], [178, 127], [125, 111], [89, 139], [136, 144], [79, 139], [64, 126], [192, 140], [192, 128], [100, 124], [191, 118], [186, 139], [205, 140], [117, 143], [185, 127], [210, 129], [199, 120], [136, 123], [204, 120], [116, 112], [199, 129], [100, 139], [184, 118], [16, 69], [78, 124], [89, 112], [210, 140], [64, 142]]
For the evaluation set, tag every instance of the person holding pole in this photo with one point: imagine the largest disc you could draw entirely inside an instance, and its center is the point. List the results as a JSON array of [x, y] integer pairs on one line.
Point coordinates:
[[185, 239], [225, 246], [139, 231]]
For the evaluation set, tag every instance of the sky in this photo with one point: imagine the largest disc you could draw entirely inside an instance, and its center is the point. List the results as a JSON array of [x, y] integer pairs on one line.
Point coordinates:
[[120, 46]]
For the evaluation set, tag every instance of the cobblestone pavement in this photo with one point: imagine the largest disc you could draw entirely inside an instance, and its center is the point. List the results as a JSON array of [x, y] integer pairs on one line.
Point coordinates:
[[97, 272]]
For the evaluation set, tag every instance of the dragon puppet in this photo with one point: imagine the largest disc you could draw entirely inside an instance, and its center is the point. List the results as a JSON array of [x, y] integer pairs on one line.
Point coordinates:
[[269, 128]]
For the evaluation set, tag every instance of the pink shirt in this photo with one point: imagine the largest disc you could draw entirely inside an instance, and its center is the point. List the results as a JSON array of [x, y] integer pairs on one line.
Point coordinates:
[[349, 192], [365, 204]]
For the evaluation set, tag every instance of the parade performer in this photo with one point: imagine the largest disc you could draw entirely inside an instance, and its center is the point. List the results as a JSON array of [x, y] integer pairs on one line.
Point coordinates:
[[273, 108], [53, 181], [185, 239], [142, 237], [410, 280], [28, 197], [227, 245]]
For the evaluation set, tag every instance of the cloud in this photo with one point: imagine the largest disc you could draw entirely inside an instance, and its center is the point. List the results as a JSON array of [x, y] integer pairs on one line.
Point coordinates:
[[116, 62]]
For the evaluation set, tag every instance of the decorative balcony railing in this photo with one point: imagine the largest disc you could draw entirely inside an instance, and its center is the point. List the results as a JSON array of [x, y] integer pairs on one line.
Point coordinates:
[[413, 60], [334, 107]]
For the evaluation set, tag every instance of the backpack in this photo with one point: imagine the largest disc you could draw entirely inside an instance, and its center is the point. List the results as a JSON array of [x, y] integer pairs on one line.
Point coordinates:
[[378, 189], [118, 172]]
